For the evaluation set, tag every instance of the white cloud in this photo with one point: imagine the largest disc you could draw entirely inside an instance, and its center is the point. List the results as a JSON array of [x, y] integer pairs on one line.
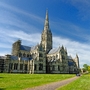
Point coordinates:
[[13, 34]]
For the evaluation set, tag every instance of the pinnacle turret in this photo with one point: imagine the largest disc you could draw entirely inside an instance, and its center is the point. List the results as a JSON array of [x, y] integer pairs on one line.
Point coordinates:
[[46, 24]]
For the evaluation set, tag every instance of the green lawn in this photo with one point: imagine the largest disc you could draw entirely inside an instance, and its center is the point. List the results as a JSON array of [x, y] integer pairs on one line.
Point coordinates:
[[82, 83], [21, 81]]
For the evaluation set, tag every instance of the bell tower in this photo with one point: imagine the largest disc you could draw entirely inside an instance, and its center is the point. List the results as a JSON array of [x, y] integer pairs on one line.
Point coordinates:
[[46, 37]]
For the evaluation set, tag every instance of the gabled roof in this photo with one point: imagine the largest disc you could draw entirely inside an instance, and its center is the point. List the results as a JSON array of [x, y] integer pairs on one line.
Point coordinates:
[[70, 63], [34, 47], [26, 48], [26, 58], [22, 58], [55, 50], [69, 57], [14, 57], [2, 57]]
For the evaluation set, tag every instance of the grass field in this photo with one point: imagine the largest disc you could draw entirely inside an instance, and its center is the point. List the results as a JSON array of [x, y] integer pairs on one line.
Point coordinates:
[[21, 81], [83, 83]]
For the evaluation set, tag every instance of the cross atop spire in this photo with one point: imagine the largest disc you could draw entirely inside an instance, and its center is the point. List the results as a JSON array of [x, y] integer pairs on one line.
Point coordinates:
[[46, 24]]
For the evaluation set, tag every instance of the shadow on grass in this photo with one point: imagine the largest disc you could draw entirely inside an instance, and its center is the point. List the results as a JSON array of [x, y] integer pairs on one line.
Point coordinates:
[[1, 77], [2, 88]]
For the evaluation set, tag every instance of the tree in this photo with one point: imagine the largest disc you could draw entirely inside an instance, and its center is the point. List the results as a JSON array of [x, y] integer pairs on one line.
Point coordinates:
[[84, 70], [85, 67], [89, 68]]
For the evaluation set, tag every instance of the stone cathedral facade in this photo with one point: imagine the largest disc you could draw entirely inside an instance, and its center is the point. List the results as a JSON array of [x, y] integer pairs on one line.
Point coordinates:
[[42, 58]]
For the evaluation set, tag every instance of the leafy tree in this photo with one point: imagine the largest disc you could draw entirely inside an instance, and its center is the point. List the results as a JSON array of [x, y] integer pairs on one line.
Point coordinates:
[[89, 68], [84, 70], [85, 67]]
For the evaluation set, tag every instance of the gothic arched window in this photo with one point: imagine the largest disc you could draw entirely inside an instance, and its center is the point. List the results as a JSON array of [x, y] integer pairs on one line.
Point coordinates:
[[20, 54], [27, 55], [15, 66], [24, 55], [40, 66]]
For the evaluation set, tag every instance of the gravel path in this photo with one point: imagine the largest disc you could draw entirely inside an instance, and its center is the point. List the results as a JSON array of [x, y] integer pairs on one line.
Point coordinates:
[[53, 86]]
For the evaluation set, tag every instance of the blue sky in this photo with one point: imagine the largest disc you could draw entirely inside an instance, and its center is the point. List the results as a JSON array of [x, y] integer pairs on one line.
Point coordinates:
[[69, 23]]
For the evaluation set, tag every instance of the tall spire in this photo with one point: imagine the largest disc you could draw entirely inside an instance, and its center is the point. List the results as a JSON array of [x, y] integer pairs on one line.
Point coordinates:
[[46, 37], [46, 24]]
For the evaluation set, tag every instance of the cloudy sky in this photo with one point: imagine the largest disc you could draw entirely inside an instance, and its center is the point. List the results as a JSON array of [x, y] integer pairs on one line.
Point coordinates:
[[69, 23]]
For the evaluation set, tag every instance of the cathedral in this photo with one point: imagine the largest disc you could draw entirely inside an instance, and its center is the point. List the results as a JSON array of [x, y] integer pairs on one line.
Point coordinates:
[[41, 58]]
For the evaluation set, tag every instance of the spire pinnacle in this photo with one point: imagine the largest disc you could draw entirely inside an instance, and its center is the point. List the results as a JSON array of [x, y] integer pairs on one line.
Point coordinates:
[[46, 14], [76, 55], [46, 25]]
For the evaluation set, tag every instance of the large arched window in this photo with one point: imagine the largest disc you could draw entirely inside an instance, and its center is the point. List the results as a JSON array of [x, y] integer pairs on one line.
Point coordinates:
[[40, 66], [25, 66], [24, 55], [63, 57], [21, 66], [10, 65], [53, 67], [27, 55], [35, 67], [15, 66], [58, 67], [20, 54], [40, 55]]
